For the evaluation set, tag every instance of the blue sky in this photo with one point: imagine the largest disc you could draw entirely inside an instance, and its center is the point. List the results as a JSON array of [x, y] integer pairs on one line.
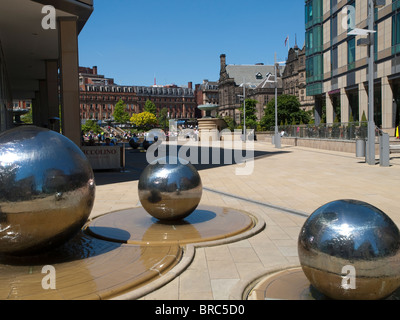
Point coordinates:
[[178, 41]]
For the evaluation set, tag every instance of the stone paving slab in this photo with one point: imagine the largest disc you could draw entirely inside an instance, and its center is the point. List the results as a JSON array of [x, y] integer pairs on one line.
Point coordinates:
[[285, 181]]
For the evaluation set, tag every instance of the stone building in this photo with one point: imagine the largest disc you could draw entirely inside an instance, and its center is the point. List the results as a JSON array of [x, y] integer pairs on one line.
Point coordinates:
[[206, 93], [255, 79], [294, 77], [265, 92]]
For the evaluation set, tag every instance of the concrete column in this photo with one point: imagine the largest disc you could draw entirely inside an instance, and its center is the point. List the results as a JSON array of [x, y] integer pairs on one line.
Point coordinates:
[[363, 100], [52, 94], [344, 106], [329, 109], [387, 105], [69, 66]]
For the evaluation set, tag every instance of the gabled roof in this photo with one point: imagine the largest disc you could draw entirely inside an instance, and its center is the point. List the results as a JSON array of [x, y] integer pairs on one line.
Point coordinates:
[[252, 75], [269, 83]]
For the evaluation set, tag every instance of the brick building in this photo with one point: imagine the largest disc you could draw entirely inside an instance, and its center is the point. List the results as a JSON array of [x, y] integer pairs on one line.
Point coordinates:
[[99, 95], [206, 93]]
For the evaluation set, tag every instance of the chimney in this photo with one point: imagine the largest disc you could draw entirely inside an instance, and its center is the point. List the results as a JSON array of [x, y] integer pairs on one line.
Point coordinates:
[[95, 70], [190, 85], [223, 65], [223, 60]]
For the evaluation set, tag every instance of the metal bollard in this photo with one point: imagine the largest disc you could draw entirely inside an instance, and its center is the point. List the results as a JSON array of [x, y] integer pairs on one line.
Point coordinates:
[[384, 150], [360, 148]]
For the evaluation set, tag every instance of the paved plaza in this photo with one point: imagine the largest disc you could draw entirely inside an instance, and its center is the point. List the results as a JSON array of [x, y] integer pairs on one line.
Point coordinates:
[[286, 186]]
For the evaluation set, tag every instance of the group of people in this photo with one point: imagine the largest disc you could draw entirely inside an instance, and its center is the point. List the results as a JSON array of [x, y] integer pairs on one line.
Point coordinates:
[[103, 138]]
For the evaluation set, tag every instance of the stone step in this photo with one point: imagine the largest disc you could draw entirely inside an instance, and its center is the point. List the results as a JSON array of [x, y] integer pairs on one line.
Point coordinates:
[[394, 148]]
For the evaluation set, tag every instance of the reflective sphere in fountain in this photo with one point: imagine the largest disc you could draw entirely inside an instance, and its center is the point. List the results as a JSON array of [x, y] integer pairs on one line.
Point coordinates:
[[351, 250], [170, 189], [47, 190]]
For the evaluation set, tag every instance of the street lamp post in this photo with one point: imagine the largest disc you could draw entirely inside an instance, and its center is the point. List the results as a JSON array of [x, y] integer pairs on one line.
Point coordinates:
[[244, 109], [370, 155], [244, 112], [277, 138], [370, 42]]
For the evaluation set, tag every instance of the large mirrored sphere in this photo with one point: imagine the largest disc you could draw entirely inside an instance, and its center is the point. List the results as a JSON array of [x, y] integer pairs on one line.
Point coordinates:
[[170, 189], [47, 190], [351, 250]]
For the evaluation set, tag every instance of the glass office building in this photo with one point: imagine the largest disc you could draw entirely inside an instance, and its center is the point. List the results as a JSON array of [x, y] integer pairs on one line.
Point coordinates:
[[337, 67]]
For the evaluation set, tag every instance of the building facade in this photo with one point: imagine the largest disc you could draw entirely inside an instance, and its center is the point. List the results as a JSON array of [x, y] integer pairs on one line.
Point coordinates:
[[264, 92], [257, 81], [337, 69], [294, 77], [42, 66], [206, 93], [99, 95]]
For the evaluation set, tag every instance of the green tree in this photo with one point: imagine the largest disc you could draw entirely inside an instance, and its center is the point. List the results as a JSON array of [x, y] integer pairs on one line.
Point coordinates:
[[163, 119], [150, 107], [120, 115], [289, 111], [364, 117], [144, 120], [91, 125], [251, 116], [230, 122], [27, 118]]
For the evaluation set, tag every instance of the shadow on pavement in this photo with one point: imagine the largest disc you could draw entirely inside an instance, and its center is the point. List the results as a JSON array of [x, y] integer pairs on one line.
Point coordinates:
[[136, 162]]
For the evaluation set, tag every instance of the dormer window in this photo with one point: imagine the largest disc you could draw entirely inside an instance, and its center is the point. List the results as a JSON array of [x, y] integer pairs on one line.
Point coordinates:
[[259, 76]]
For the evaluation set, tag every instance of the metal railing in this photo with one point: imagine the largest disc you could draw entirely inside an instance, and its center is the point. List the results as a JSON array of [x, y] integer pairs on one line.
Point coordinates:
[[336, 131]]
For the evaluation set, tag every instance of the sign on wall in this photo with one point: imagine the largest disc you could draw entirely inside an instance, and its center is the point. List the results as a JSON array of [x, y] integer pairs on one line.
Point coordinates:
[[104, 157]]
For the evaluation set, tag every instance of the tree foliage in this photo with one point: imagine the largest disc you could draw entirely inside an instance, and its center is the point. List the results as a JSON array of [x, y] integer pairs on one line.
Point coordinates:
[[27, 118], [230, 122], [251, 116], [120, 115], [150, 107], [163, 118], [91, 125], [289, 111], [144, 120]]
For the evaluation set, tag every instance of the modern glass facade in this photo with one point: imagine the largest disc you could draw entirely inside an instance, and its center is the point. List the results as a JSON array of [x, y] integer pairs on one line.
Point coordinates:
[[314, 46], [337, 69]]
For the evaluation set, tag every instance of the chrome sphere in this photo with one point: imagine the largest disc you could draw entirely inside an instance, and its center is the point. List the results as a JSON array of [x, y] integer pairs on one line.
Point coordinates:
[[47, 190], [349, 249], [170, 189]]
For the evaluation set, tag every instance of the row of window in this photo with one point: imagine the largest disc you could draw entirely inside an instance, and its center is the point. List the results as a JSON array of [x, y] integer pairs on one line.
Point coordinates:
[[107, 116], [128, 107], [116, 98], [104, 107], [141, 90], [314, 40], [396, 32], [313, 12]]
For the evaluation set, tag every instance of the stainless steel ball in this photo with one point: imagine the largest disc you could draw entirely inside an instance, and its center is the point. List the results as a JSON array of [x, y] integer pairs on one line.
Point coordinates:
[[170, 189], [349, 249], [47, 190]]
